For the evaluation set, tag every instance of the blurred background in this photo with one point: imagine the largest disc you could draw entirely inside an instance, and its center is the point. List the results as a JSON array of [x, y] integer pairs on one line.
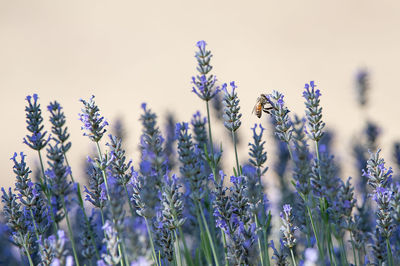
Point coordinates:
[[130, 52]]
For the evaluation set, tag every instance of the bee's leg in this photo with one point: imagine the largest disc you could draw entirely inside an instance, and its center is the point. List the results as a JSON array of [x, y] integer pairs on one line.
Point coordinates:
[[266, 109]]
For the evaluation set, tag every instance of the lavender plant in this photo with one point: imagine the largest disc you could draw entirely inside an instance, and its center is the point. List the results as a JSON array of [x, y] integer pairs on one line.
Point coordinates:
[[201, 218]]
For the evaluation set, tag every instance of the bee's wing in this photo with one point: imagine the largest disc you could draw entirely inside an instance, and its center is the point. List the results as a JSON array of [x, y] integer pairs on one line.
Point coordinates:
[[254, 108]]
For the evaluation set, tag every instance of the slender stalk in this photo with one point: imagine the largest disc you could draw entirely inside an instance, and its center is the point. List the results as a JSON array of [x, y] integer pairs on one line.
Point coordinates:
[[206, 252], [151, 242], [318, 159], [46, 192], [209, 236], [177, 250], [209, 134], [343, 250], [266, 238], [34, 224], [259, 242], [389, 250], [321, 252], [26, 250], [354, 250], [188, 257], [80, 201], [293, 260], [290, 151], [129, 201], [121, 243], [66, 160], [239, 172], [225, 247], [71, 236]]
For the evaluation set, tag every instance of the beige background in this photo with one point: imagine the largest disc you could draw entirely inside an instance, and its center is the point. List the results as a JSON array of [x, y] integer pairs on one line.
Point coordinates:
[[128, 52]]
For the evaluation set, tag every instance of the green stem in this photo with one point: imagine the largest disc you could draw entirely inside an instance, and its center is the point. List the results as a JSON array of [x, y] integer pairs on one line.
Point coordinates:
[[318, 159], [46, 192], [188, 257], [206, 251], [209, 236], [26, 250], [80, 201], [34, 224], [293, 260], [290, 151], [389, 250], [151, 241], [209, 131], [66, 160], [109, 199], [259, 242], [321, 252], [239, 172], [129, 202], [225, 247], [71, 236], [266, 238], [354, 250], [177, 249], [343, 249]]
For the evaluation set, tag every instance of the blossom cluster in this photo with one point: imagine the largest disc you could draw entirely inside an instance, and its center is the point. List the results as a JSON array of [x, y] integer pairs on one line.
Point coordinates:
[[176, 203]]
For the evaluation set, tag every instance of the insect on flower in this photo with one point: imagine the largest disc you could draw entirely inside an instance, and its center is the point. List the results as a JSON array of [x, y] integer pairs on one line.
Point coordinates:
[[259, 107]]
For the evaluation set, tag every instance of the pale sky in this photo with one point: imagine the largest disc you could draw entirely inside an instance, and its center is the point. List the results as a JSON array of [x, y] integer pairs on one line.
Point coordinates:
[[129, 52]]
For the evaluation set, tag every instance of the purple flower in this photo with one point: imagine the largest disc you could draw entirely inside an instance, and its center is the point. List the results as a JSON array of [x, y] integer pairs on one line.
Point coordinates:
[[93, 123], [201, 45]]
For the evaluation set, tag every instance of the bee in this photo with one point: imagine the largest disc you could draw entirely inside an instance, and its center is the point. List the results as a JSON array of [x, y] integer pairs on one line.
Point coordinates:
[[259, 107]]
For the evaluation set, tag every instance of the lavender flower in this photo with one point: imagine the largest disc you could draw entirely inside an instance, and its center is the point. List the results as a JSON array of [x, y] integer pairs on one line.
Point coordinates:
[[231, 108], [204, 84], [283, 125], [58, 171], [396, 153], [362, 85], [376, 173], [154, 163], [192, 168], [57, 119], [45, 252], [372, 132], [302, 158], [221, 204], [288, 228], [238, 198], [395, 202], [384, 220], [30, 195], [111, 241], [58, 247], [170, 141], [258, 156], [97, 194], [143, 200], [164, 238], [341, 208], [57, 175], [378, 247], [279, 257], [17, 221], [172, 203], [119, 167], [34, 119], [313, 112], [87, 238], [93, 123], [116, 204], [199, 130]]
